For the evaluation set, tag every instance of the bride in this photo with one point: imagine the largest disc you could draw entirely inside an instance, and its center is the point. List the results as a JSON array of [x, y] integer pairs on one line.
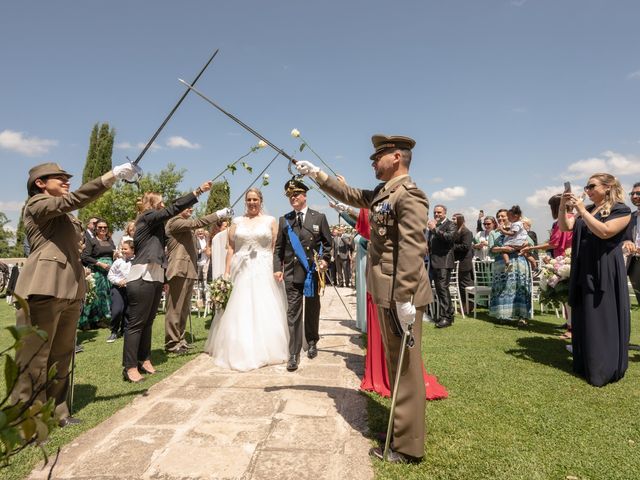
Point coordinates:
[[252, 330]]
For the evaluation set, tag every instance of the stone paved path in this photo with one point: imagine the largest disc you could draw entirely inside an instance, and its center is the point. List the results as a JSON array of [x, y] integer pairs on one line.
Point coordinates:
[[207, 423]]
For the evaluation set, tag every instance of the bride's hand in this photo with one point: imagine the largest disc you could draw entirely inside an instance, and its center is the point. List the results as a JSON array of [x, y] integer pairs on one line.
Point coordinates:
[[279, 276]]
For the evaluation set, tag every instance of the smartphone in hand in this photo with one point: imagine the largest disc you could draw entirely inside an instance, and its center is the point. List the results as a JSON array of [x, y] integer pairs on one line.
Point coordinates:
[[567, 187]]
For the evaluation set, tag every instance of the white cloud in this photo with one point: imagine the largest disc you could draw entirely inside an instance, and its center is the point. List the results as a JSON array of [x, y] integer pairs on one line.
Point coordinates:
[[449, 193], [634, 75], [11, 206], [609, 162], [139, 146], [540, 197], [30, 146], [181, 142]]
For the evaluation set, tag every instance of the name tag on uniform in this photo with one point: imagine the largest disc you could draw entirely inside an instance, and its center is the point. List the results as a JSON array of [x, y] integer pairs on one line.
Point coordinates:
[[316, 228]]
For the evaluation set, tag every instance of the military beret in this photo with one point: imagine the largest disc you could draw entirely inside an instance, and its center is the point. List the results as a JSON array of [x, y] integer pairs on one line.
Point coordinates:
[[384, 142], [294, 186], [44, 170]]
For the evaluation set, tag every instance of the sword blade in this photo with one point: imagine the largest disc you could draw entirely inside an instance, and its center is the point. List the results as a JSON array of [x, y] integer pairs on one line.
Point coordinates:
[[173, 110], [239, 122]]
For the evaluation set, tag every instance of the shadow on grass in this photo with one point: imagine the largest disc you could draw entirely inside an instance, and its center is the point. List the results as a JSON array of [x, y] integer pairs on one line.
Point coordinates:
[[87, 336], [533, 325], [85, 394], [543, 350]]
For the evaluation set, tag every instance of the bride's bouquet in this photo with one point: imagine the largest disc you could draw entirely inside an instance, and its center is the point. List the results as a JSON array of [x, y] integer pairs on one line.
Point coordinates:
[[220, 290], [554, 280]]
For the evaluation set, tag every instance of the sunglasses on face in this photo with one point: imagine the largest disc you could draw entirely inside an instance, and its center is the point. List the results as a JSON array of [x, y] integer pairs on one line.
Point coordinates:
[[591, 186], [102, 228], [634, 194]]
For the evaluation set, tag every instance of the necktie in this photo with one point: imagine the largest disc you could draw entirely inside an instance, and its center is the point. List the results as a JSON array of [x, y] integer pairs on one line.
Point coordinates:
[[299, 214]]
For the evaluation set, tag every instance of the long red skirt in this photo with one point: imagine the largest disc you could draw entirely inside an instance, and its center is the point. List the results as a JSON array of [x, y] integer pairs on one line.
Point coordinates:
[[376, 377]]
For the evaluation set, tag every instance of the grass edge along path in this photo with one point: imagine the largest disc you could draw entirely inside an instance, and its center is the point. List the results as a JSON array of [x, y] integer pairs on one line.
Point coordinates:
[[99, 388], [516, 410]]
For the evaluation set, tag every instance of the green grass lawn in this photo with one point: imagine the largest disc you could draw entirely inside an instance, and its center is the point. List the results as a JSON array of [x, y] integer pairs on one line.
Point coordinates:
[[516, 411], [100, 390]]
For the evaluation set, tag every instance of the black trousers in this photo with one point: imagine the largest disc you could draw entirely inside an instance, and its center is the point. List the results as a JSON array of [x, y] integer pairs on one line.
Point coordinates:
[[295, 298], [634, 276], [465, 279], [144, 298], [119, 309], [441, 280]]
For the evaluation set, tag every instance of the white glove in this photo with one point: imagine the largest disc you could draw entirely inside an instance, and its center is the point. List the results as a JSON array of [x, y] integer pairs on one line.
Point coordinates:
[[305, 167], [340, 207], [224, 213], [127, 171], [406, 314]]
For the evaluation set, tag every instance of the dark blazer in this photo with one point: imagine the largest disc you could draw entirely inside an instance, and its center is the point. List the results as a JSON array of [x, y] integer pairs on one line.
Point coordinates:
[[441, 245], [150, 238], [462, 251], [313, 234], [93, 250]]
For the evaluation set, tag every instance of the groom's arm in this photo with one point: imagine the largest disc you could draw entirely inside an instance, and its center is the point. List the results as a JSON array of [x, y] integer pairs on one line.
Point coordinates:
[[326, 240], [278, 251]]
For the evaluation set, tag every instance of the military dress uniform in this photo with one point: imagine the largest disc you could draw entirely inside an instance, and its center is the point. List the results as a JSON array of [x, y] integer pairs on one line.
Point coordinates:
[[53, 283], [314, 235], [182, 272], [398, 212]]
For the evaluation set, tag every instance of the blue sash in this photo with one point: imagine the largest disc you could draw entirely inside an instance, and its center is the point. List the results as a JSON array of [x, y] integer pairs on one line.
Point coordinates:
[[298, 249]]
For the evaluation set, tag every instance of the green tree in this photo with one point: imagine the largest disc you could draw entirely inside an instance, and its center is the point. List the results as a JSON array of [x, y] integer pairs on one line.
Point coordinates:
[[100, 151], [118, 205], [219, 197], [6, 238]]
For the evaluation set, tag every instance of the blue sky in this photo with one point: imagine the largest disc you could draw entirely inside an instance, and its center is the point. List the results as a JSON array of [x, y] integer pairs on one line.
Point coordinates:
[[506, 99]]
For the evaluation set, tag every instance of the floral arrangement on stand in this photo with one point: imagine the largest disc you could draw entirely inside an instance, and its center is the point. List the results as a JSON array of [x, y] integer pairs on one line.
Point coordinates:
[[554, 280], [220, 290], [91, 294]]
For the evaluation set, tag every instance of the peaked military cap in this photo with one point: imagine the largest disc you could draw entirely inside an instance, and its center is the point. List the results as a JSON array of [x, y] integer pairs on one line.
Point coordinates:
[[383, 142], [294, 186], [45, 170]]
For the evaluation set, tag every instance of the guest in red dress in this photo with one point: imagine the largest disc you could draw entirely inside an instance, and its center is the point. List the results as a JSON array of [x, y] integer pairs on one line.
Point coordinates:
[[376, 377]]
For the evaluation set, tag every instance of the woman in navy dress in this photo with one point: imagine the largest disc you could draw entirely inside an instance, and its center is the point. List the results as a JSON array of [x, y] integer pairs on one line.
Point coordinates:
[[598, 292]]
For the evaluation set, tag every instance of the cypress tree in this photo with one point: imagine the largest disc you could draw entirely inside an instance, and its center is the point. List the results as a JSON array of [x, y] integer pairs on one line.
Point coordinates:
[[91, 155], [218, 197]]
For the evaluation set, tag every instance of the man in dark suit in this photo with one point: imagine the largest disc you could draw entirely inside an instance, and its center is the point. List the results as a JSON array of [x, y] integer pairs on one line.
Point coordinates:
[[301, 281], [441, 232], [632, 242], [342, 251], [90, 231]]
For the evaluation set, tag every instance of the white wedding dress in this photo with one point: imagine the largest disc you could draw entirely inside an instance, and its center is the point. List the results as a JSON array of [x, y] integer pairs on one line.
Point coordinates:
[[252, 331]]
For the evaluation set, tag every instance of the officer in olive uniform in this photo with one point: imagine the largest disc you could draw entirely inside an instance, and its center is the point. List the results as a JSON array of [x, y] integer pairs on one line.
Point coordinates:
[[312, 229], [396, 277], [53, 279], [182, 273]]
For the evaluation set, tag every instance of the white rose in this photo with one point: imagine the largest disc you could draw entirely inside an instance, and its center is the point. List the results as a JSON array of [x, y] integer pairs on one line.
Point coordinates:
[[295, 133], [262, 144], [265, 176], [564, 271]]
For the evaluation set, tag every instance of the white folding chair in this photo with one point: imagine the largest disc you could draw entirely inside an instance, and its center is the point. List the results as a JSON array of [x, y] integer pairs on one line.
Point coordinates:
[[454, 289], [481, 289]]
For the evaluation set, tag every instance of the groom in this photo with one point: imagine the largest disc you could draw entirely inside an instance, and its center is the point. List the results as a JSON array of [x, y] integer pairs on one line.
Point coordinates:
[[301, 233]]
